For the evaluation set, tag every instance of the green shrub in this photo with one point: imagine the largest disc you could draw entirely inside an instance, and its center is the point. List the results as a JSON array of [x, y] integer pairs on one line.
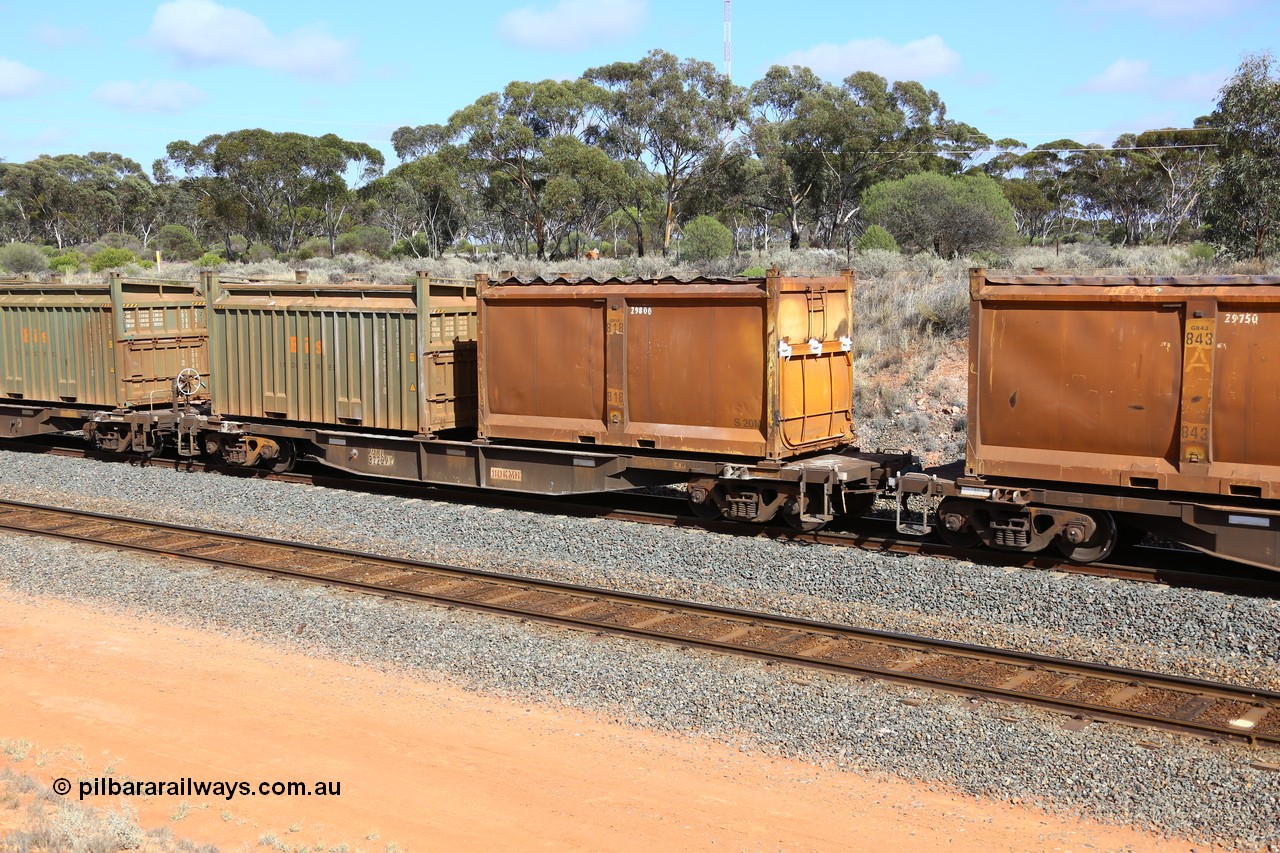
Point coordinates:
[[111, 258], [1201, 252], [706, 239], [68, 262], [22, 258], [259, 252], [990, 259], [754, 272], [116, 240], [210, 260], [239, 245], [365, 238], [949, 215], [875, 237], [417, 246], [177, 243], [316, 247]]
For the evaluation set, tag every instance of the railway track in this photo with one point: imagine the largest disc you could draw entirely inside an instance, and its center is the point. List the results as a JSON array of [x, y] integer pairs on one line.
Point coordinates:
[[1154, 566], [1083, 690]]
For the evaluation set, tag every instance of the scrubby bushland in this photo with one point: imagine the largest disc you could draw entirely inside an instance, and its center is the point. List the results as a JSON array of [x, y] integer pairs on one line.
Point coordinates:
[[22, 258], [107, 259], [948, 215]]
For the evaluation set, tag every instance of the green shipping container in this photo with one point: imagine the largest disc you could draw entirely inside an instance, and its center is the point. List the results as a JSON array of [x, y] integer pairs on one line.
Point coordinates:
[[112, 344], [375, 356]]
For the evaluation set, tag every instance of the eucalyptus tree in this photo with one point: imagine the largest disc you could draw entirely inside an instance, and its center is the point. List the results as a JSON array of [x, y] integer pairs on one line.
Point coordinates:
[[126, 199], [1117, 188], [1184, 161], [1243, 212], [673, 116], [866, 131], [72, 198], [269, 184], [514, 143], [1039, 184], [790, 160], [422, 196]]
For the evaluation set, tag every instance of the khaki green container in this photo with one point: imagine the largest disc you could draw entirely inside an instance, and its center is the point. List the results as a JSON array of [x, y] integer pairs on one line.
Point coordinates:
[[117, 343], [376, 356]]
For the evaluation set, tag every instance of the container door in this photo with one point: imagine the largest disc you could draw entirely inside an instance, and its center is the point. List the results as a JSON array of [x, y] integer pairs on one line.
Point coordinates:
[[815, 366]]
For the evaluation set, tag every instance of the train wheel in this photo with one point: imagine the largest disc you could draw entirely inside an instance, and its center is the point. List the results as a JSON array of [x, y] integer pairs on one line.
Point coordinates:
[[966, 537], [709, 508], [806, 524], [286, 458], [1098, 547], [963, 536]]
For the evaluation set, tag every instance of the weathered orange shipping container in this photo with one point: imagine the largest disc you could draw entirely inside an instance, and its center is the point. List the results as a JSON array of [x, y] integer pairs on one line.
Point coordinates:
[[1161, 383], [752, 367]]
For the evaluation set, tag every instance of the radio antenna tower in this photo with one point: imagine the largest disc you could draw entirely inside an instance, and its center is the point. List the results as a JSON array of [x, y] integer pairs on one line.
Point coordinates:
[[728, 49]]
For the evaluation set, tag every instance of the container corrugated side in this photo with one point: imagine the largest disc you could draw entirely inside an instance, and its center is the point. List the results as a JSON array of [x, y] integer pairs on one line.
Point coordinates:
[[1146, 382], [118, 343], [389, 357]]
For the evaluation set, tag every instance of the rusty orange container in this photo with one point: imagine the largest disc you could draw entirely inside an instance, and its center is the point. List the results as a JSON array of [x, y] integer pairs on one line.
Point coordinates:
[[1159, 383], [751, 367]]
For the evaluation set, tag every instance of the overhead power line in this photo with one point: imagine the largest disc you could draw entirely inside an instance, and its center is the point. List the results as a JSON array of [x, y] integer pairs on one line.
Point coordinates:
[[1100, 148]]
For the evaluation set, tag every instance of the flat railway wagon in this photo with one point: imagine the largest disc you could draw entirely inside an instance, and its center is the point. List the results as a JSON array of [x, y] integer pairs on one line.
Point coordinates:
[[68, 351], [741, 388], [1099, 403]]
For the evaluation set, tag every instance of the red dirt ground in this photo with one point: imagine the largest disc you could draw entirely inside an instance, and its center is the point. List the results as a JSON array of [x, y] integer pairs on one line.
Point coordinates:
[[427, 766]]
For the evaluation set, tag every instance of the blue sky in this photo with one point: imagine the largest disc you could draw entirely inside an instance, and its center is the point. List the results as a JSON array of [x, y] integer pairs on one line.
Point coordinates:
[[132, 76]]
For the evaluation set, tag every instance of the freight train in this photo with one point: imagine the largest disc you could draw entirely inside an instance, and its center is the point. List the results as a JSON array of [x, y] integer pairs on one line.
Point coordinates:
[[1096, 404]]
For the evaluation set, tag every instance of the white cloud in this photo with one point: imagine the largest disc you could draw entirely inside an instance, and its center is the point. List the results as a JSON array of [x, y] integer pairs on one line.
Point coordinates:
[[54, 36], [1123, 75], [1171, 9], [915, 60], [1195, 87], [202, 32], [573, 24], [1134, 75], [17, 80], [166, 96]]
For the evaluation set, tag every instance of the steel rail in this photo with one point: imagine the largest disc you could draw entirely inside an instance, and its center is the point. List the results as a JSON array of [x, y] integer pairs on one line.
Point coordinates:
[[1087, 690], [622, 506]]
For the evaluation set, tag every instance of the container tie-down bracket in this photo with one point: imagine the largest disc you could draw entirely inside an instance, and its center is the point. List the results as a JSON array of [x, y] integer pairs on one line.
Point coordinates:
[[919, 486]]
